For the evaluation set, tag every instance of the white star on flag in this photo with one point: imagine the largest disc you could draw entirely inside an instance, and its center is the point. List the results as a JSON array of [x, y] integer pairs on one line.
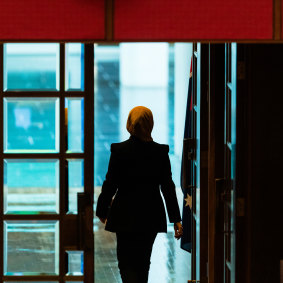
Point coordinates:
[[188, 200]]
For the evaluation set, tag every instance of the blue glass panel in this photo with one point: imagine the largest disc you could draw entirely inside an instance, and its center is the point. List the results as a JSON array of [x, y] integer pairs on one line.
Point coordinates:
[[31, 186], [31, 125], [75, 263], [31, 66], [74, 76], [74, 113], [31, 248], [75, 182]]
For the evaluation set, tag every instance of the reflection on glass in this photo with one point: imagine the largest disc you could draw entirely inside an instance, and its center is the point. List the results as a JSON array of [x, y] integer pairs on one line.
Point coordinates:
[[31, 66], [31, 248], [74, 113], [75, 182], [31, 186], [31, 125], [74, 76], [75, 262]]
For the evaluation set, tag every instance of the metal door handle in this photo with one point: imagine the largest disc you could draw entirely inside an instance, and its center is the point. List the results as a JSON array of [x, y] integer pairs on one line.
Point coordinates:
[[83, 240]]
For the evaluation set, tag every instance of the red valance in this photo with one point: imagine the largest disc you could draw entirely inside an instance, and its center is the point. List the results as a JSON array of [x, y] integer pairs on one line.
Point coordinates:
[[52, 19], [136, 20], [193, 19]]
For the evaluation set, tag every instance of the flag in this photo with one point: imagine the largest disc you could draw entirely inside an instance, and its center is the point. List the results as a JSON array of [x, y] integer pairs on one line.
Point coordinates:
[[186, 240]]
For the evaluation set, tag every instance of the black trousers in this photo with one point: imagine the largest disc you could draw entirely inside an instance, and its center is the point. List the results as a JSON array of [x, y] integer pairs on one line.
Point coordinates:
[[133, 254]]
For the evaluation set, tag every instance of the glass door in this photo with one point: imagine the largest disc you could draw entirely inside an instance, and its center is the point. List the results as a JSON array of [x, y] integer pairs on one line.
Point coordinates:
[[229, 195], [46, 141]]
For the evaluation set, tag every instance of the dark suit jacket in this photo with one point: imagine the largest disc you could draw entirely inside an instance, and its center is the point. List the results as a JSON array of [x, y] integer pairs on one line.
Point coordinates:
[[136, 173]]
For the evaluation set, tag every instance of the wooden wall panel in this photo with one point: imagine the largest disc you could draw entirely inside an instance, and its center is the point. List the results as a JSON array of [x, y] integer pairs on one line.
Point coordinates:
[[259, 161]]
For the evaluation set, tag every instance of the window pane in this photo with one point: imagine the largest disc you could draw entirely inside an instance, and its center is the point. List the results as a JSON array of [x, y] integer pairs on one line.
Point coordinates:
[[31, 66], [31, 125], [75, 262], [31, 248], [75, 117], [74, 76], [75, 183], [35, 189]]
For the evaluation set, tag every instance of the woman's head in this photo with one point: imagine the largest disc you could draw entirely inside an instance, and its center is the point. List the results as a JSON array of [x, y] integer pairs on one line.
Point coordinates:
[[140, 123]]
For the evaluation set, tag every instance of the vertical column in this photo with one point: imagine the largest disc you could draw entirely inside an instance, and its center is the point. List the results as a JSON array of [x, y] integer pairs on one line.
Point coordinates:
[[89, 158], [62, 151]]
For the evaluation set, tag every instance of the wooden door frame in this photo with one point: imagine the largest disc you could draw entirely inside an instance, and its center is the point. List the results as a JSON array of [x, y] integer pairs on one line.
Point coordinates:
[[67, 233], [199, 115], [215, 160]]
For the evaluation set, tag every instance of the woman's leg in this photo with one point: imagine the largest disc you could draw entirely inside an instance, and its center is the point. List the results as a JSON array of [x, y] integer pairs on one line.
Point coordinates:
[[133, 253]]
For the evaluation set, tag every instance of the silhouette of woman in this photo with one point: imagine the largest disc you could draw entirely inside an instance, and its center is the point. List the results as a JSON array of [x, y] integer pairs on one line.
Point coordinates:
[[139, 169]]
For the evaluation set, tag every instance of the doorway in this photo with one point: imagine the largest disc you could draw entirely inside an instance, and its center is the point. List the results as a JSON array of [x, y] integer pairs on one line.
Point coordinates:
[[155, 75]]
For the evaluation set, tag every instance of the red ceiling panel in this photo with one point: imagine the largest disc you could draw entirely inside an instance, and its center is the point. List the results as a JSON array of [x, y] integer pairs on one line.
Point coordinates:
[[52, 19], [193, 19]]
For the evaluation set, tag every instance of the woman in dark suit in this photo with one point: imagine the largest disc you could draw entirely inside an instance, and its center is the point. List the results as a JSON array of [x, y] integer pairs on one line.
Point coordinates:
[[139, 169]]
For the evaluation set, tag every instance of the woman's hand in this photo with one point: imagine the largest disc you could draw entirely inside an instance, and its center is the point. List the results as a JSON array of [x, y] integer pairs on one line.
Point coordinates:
[[103, 220], [178, 230]]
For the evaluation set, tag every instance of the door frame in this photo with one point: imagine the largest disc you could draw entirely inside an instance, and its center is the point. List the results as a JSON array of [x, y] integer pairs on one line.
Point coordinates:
[[216, 161], [69, 235], [200, 163]]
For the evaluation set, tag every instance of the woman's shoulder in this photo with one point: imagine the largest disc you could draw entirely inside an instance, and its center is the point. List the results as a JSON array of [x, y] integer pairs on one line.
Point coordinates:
[[116, 147], [127, 145], [164, 148]]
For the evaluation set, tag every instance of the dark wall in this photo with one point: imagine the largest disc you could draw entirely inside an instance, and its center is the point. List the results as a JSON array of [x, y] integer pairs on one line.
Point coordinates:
[[261, 153]]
